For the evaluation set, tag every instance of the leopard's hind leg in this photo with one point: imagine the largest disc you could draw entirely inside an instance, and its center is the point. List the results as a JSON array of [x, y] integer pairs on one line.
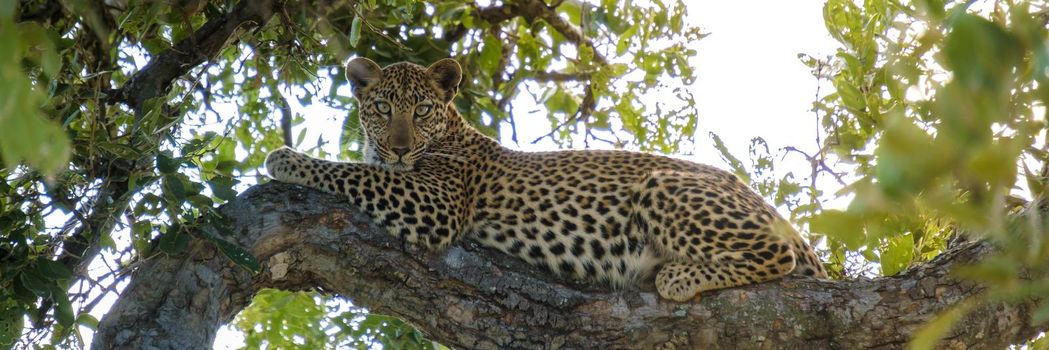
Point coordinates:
[[713, 231]]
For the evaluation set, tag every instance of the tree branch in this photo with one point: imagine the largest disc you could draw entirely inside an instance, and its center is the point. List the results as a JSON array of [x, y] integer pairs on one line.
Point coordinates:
[[46, 11], [582, 113], [470, 297], [155, 79], [532, 10], [79, 249], [544, 76]]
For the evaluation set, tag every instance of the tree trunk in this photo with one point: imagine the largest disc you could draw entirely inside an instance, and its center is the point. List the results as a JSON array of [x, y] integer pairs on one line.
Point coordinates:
[[470, 297]]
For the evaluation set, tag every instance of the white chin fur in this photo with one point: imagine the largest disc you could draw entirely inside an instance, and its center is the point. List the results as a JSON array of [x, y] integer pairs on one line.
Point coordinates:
[[397, 167], [371, 156]]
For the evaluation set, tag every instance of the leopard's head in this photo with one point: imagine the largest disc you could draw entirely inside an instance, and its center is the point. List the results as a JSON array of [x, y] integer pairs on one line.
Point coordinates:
[[404, 108]]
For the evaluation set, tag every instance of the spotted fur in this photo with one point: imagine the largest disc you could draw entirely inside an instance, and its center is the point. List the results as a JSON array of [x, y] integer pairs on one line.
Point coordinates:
[[611, 216]]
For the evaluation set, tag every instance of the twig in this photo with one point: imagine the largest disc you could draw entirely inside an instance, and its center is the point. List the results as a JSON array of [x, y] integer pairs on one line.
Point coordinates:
[[375, 29], [544, 76], [531, 10], [581, 115], [285, 117], [818, 165]]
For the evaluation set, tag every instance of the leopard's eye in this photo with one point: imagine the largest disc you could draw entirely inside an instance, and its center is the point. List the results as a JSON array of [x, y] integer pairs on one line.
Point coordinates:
[[382, 107], [422, 110]]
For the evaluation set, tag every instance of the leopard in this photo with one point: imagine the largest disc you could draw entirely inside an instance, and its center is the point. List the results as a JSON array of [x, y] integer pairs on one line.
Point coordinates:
[[614, 217]]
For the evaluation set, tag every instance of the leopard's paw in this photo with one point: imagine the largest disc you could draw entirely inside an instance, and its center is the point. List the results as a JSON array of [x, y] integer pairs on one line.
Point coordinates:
[[679, 282], [282, 164]]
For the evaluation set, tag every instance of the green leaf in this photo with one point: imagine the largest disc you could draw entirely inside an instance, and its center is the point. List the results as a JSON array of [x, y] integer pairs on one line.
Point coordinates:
[[733, 162], [851, 96], [843, 226], [355, 31], [213, 224], [120, 150], [981, 52], [86, 320], [993, 270], [63, 308], [491, 53], [24, 133], [39, 47], [138, 180], [174, 189], [1041, 315], [174, 241], [238, 255], [166, 164], [11, 324], [898, 255], [141, 235], [53, 270], [222, 187], [36, 284], [155, 45], [201, 201], [900, 169], [625, 39], [225, 167], [928, 336]]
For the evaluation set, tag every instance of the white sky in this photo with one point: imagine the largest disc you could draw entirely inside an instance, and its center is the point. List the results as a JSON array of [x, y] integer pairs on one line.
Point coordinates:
[[750, 84], [750, 80]]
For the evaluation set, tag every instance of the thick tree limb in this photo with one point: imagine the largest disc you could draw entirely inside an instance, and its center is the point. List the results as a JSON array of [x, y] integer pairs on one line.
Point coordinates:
[[469, 297]]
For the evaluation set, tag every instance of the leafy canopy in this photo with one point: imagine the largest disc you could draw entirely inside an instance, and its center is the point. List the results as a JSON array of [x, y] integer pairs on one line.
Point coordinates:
[[121, 130], [934, 129]]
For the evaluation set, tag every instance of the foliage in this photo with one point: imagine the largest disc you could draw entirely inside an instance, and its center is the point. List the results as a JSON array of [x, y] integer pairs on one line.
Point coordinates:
[[22, 100], [290, 320], [105, 166], [934, 108], [934, 129], [937, 116], [938, 111]]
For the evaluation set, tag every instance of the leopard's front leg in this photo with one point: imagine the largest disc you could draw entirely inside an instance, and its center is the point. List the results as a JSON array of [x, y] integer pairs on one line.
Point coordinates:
[[419, 206]]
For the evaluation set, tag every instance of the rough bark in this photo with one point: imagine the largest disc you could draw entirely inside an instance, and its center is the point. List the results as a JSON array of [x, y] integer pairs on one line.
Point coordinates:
[[155, 78], [471, 297]]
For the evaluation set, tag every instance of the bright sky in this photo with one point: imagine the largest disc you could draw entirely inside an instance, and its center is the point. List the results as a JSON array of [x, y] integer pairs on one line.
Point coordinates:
[[750, 84]]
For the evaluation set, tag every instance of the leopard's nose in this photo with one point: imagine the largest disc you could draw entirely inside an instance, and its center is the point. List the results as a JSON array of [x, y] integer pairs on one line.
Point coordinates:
[[401, 151]]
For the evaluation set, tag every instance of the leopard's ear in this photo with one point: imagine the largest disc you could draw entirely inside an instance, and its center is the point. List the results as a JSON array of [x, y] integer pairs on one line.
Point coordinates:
[[362, 73], [446, 74]]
